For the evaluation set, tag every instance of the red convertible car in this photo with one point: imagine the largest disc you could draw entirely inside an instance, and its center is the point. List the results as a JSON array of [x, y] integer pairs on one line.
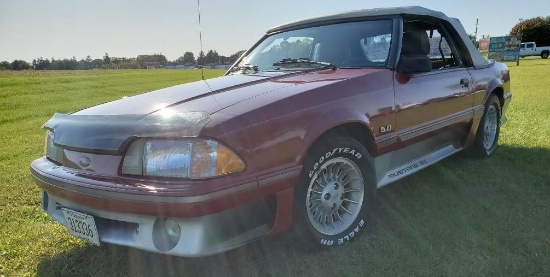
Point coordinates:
[[298, 135]]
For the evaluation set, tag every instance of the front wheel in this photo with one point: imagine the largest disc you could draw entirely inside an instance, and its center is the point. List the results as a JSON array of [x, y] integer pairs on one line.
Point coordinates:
[[335, 194]]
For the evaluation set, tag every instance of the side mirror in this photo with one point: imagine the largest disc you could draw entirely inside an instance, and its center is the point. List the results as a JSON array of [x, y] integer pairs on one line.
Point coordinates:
[[411, 64]]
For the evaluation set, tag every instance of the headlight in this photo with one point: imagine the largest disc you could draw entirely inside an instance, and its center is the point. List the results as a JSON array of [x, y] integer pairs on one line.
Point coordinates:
[[185, 158]]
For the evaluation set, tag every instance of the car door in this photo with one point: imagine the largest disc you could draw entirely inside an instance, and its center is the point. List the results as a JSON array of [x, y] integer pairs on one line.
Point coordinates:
[[529, 49], [440, 99]]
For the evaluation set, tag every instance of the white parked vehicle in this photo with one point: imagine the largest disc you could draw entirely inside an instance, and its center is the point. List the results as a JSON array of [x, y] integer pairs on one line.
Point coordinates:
[[531, 49]]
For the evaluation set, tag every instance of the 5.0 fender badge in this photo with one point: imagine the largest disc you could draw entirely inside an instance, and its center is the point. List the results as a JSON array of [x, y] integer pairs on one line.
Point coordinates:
[[385, 129], [84, 161]]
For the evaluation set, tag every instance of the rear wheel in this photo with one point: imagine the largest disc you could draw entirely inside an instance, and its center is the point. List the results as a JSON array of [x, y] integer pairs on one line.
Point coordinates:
[[488, 130], [335, 194], [544, 55]]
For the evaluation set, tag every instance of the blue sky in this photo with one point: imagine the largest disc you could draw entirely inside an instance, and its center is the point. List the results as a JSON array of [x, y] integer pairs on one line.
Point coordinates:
[[125, 28]]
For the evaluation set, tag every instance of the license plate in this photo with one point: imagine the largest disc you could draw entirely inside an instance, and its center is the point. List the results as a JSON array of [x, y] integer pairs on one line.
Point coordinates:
[[81, 225]]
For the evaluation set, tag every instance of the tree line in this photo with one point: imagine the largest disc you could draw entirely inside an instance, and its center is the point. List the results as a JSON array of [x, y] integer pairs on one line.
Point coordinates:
[[211, 57], [534, 29], [107, 62]]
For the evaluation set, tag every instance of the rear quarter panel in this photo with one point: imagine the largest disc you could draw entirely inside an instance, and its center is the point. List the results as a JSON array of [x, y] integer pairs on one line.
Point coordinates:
[[487, 80]]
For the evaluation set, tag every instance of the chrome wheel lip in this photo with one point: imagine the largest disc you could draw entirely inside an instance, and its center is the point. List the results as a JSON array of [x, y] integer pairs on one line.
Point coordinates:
[[335, 196], [490, 126]]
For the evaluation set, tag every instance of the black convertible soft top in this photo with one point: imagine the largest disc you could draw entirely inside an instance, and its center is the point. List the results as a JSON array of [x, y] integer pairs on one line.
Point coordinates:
[[477, 59]]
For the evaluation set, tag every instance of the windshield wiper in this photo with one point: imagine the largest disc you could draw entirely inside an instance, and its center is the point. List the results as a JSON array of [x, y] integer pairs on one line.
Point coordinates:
[[300, 62], [245, 68]]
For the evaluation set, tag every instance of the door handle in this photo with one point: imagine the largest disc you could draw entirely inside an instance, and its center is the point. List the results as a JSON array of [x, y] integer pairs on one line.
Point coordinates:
[[465, 82]]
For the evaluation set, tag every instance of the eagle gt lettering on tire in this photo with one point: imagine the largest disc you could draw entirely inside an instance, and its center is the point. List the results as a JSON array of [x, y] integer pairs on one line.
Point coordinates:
[[335, 194]]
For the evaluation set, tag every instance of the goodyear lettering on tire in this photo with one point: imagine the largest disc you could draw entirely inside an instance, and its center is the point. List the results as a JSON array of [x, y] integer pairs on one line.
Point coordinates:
[[327, 155]]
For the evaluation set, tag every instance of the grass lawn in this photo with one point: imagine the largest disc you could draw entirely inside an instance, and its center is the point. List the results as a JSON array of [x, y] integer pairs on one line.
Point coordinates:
[[459, 217]]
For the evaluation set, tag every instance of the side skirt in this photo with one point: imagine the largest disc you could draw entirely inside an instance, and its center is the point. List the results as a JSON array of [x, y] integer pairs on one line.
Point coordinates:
[[401, 163]]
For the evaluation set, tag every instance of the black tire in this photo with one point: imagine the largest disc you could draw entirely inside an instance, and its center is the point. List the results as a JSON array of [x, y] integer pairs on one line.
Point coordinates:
[[485, 144], [544, 55], [327, 158]]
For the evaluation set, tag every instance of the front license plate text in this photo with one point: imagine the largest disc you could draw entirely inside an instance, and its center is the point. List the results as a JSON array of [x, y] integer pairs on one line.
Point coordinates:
[[81, 225]]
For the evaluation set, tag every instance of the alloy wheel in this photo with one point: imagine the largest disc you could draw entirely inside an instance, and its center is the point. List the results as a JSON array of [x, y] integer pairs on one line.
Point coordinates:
[[490, 128], [335, 196]]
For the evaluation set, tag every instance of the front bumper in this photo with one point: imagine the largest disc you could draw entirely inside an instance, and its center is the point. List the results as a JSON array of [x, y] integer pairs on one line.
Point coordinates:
[[200, 236], [210, 223]]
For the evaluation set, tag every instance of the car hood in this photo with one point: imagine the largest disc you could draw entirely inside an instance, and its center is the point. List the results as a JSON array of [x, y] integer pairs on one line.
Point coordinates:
[[178, 111], [196, 96]]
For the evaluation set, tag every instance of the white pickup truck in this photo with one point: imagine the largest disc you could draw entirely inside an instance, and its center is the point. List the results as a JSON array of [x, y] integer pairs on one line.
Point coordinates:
[[531, 49]]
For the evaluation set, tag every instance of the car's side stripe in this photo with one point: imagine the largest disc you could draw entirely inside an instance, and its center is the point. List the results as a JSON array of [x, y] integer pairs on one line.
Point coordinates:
[[431, 126], [279, 177], [426, 127]]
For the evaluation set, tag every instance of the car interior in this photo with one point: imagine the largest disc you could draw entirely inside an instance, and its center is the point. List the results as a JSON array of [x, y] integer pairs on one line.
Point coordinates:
[[427, 47]]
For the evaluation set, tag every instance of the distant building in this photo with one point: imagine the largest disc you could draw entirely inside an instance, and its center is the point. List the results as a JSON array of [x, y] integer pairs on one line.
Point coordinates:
[[187, 66], [484, 43], [149, 65], [218, 66]]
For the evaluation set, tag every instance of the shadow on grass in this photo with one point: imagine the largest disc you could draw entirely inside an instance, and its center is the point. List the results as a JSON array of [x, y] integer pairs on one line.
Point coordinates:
[[112, 260], [462, 216]]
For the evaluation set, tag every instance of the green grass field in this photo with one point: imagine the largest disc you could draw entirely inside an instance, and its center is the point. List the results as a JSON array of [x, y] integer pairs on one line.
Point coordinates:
[[461, 217]]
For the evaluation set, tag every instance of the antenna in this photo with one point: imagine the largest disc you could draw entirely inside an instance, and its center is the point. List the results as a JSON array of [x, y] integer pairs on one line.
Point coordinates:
[[200, 36]]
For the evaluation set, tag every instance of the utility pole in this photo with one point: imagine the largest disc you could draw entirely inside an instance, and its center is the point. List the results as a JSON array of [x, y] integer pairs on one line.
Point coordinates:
[[477, 23], [519, 49]]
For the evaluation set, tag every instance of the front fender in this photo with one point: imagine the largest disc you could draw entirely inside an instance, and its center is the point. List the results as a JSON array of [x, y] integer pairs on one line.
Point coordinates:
[[332, 119]]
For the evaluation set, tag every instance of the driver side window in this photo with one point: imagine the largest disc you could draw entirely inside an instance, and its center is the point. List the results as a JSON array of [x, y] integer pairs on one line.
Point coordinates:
[[430, 39], [443, 53]]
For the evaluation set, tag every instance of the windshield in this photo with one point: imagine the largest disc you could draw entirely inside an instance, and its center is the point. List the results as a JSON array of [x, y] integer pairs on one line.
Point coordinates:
[[345, 45]]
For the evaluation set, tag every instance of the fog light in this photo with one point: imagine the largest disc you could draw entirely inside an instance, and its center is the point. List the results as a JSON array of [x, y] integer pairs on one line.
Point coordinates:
[[173, 230]]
